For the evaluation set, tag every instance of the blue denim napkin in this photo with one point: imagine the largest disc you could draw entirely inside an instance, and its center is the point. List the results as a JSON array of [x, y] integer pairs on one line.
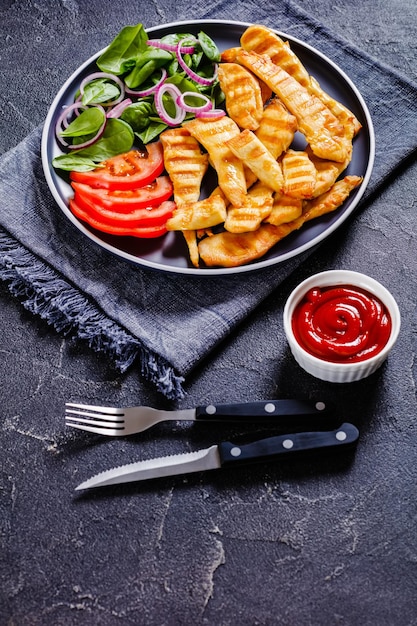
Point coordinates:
[[167, 323]]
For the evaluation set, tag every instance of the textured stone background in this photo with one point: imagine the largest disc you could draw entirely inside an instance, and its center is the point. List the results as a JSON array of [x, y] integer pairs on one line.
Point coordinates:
[[292, 544]]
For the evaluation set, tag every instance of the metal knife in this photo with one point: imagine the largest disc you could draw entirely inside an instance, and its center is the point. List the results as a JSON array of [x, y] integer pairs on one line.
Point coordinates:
[[226, 454]]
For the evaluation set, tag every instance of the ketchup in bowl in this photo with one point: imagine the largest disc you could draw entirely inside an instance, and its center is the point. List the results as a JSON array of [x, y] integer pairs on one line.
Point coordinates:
[[341, 323]]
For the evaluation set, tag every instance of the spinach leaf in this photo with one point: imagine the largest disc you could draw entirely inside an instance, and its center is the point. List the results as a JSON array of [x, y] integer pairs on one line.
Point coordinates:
[[87, 123], [120, 57], [137, 115], [100, 90], [209, 47], [152, 132], [146, 65], [175, 38], [118, 137], [73, 162], [184, 83]]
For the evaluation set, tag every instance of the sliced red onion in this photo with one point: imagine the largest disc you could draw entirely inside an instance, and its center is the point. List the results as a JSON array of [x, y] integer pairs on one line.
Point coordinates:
[[63, 120], [196, 77], [174, 92], [211, 114], [76, 112], [117, 110], [151, 90], [112, 77], [206, 106], [171, 47], [90, 142]]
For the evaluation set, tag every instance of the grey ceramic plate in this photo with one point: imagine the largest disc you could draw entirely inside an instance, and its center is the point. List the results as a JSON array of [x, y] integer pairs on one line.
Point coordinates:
[[169, 253]]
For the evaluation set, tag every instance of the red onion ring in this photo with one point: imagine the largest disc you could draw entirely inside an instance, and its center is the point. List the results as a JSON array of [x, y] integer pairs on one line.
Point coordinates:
[[211, 114], [112, 77], [118, 109], [174, 92], [62, 121], [90, 142], [151, 90], [194, 109], [196, 77], [170, 47]]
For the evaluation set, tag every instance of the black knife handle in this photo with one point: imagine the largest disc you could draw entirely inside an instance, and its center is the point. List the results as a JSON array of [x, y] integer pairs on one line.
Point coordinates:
[[264, 410], [286, 445]]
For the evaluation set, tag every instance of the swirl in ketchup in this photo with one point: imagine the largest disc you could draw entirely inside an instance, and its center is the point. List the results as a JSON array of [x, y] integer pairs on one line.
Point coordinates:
[[341, 324]]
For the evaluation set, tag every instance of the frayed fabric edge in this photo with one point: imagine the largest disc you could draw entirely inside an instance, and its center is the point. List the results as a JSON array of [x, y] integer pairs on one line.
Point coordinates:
[[43, 292]]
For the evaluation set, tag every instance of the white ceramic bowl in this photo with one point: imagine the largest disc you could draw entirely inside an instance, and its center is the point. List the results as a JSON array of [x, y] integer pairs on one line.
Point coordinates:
[[340, 372]]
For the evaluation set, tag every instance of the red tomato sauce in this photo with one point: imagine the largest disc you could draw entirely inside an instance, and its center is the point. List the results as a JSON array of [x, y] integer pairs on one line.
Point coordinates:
[[341, 324]]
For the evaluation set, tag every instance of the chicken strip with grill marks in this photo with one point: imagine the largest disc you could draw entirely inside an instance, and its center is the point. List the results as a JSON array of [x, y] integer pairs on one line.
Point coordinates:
[[198, 215], [322, 130], [185, 164], [257, 157], [249, 216], [244, 103], [231, 250], [214, 134], [276, 128], [284, 209], [262, 40], [299, 174]]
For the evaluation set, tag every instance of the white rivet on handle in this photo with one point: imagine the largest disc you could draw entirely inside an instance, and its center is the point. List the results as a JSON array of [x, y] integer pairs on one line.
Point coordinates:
[[211, 409], [235, 451], [269, 408], [287, 444], [341, 435]]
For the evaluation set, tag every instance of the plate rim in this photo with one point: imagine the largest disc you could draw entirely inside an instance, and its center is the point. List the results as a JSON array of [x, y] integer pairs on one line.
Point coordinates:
[[217, 271]]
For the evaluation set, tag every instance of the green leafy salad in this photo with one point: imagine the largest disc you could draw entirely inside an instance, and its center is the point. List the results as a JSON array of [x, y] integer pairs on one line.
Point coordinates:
[[141, 87]]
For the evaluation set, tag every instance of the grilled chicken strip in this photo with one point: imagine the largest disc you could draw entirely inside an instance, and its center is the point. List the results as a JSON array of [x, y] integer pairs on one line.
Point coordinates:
[[244, 103], [299, 174], [214, 134], [231, 250], [322, 130], [284, 209], [257, 157], [257, 207], [276, 128], [262, 40], [199, 215], [185, 164]]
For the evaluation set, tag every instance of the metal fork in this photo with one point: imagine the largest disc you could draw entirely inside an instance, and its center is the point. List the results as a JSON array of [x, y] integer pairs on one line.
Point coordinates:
[[117, 422]]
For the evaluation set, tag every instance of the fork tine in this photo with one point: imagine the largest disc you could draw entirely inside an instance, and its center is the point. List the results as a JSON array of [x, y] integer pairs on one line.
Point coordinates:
[[69, 419], [108, 410], [71, 413], [97, 431]]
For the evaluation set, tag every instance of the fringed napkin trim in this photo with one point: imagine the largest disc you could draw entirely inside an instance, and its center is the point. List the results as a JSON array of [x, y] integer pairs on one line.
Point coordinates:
[[43, 292]]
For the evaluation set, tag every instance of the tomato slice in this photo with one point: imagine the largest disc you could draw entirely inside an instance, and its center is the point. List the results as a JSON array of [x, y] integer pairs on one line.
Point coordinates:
[[141, 217], [127, 200], [114, 229], [132, 169]]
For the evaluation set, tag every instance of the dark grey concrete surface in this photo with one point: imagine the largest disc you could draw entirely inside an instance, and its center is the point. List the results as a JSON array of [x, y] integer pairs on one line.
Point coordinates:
[[324, 543]]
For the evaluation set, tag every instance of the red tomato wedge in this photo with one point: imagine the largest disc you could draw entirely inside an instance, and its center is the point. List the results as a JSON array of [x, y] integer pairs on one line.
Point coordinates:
[[149, 216], [132, 169], [127, 200], [120, 229]]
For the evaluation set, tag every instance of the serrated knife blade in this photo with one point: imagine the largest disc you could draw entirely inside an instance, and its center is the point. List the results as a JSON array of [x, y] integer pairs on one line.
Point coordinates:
[[174, 465], [225, 454]]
